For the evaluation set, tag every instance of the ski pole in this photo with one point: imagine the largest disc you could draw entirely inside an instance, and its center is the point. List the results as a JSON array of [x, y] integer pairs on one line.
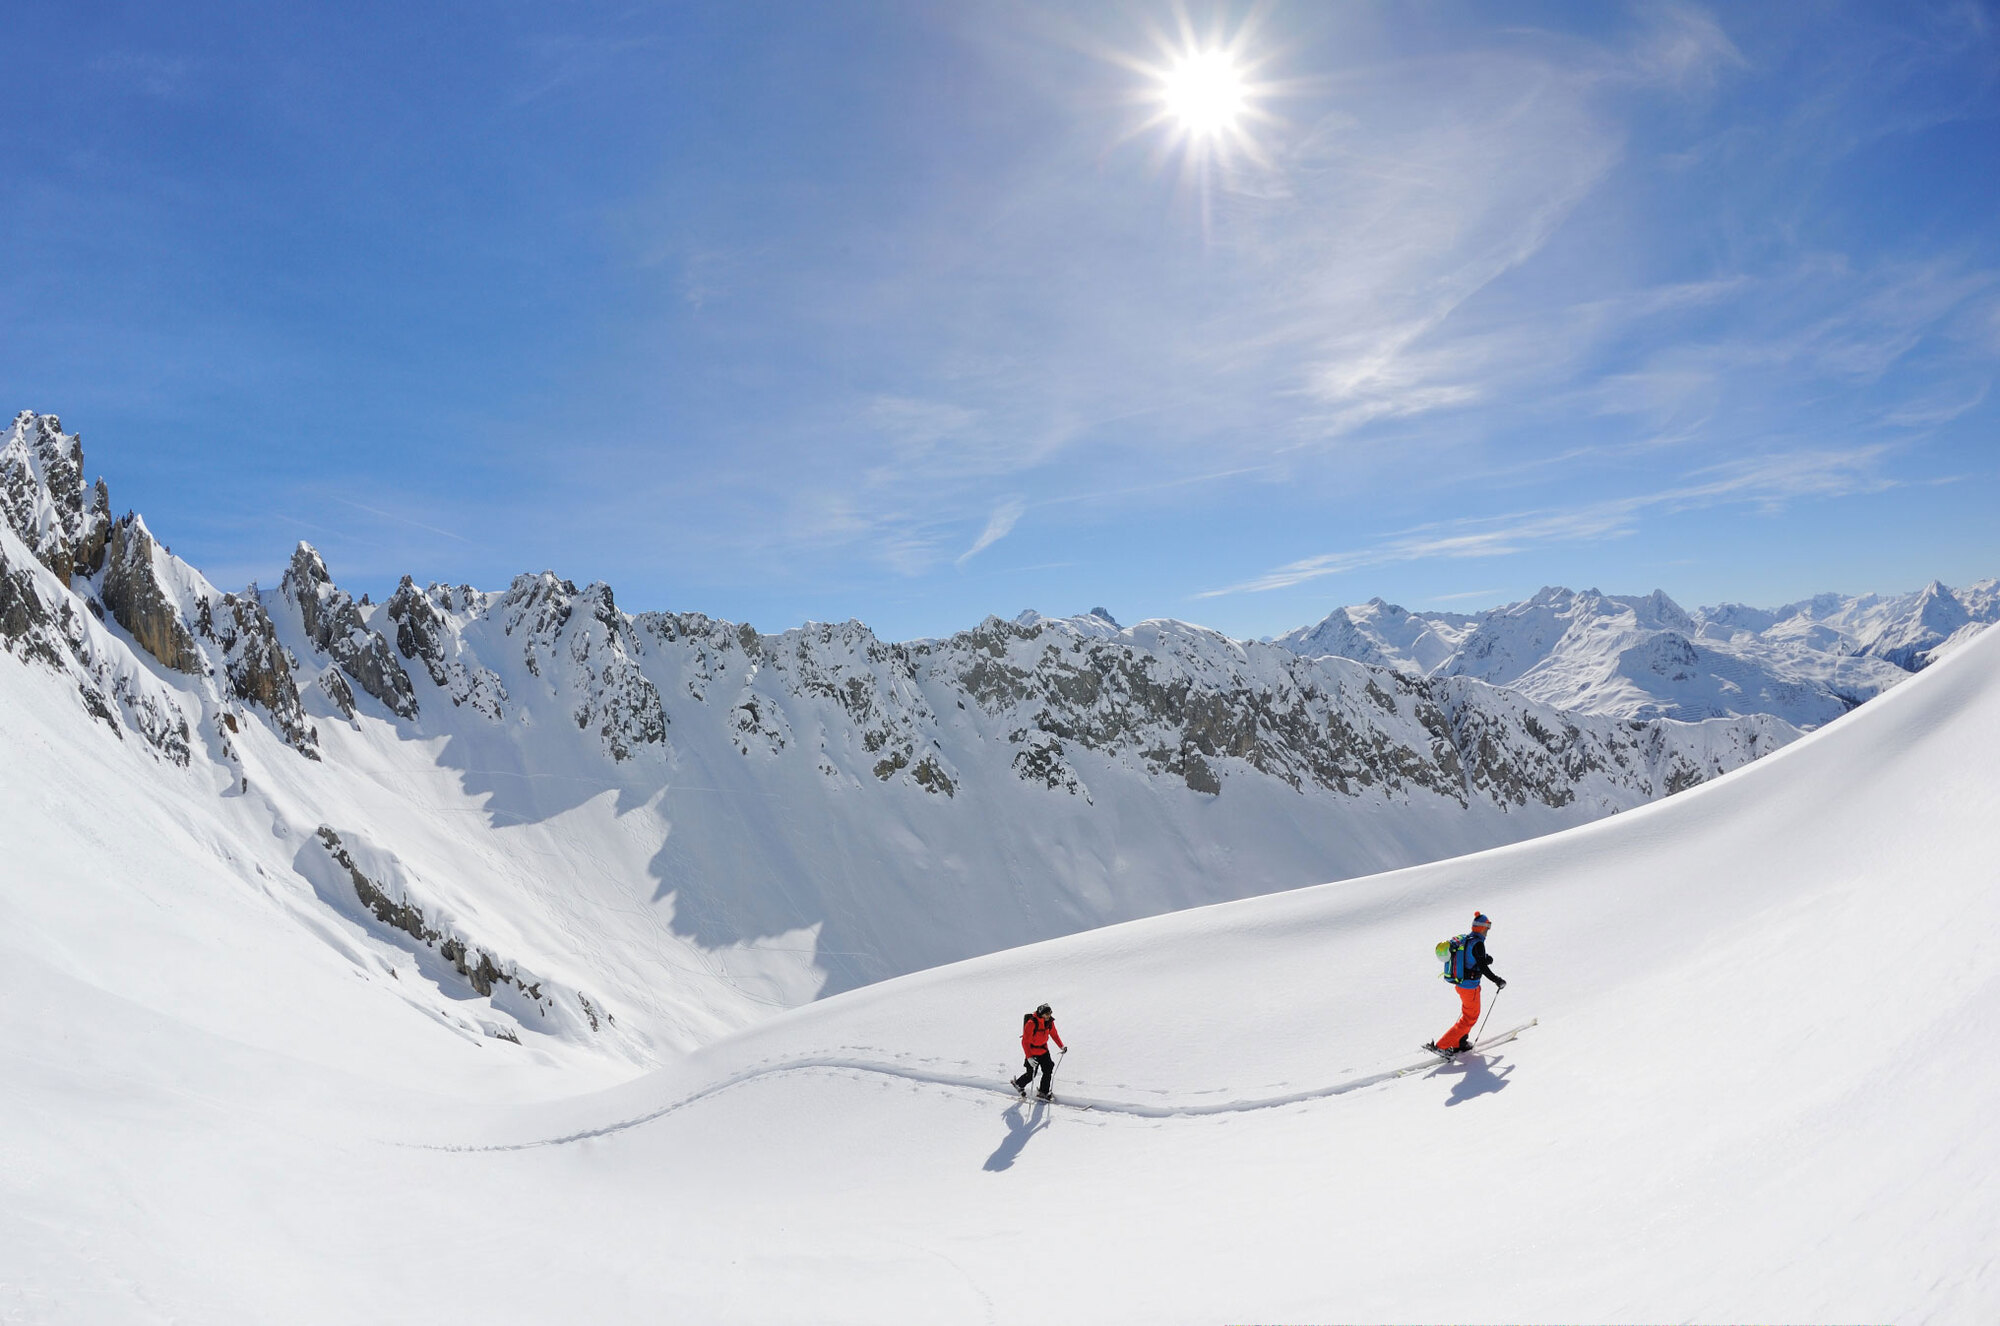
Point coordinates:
[[1064, 1054], [1488, 1018]]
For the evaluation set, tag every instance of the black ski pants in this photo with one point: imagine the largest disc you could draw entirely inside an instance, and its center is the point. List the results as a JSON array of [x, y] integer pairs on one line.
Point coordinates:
[[1048, 1066]]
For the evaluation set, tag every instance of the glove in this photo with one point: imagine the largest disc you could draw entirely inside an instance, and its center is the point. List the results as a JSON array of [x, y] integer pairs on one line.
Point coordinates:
[[1499, 984]]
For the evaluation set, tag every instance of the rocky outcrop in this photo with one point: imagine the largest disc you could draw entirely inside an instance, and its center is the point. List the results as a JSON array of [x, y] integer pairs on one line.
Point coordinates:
[[578, 643], [1068, 701], [334, 626], [425, 634], [1183, 704], [29, 628], [389, 902], [44, 499], [135, 591], [256, 665], [42, 623]]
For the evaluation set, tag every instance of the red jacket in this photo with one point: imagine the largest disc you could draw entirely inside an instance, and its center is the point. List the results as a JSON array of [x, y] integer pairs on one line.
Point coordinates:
[[1036, 1033]]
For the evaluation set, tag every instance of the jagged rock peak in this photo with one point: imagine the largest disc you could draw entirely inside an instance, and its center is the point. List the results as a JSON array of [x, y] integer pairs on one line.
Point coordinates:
[[426, 634], [43, 497], [308, 567], [592, 654], [334, 626], [257, 664], [136, 591]]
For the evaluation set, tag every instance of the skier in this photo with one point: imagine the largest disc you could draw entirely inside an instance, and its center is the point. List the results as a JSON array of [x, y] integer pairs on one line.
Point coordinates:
[[1470, 965], [1037, 1030]]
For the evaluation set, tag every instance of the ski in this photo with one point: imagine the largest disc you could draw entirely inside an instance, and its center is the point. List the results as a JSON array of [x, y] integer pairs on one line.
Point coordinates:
[[1029, 1098], [1440, 1056]]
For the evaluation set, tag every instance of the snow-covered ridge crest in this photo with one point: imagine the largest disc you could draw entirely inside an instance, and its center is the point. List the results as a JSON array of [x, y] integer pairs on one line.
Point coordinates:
[[700, 822], [332, 621], [1646, 657]]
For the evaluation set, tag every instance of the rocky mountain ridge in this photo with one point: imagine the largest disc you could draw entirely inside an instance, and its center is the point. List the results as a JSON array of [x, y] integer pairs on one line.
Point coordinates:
[[800, 812]]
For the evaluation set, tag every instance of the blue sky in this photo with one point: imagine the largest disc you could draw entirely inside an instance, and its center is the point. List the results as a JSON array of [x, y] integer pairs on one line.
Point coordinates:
[[914, 313]]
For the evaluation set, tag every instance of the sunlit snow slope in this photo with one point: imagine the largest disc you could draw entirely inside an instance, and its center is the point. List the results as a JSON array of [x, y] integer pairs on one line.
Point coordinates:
[[1761, 1087]]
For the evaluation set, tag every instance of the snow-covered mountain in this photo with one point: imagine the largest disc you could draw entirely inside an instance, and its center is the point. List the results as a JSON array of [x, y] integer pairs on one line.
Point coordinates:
[[1646, 657], [1754, 1087], [537, 815]]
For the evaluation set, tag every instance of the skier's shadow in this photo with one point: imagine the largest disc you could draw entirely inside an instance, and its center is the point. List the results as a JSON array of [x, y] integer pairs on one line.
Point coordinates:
[[1476, 1077], [1020, 1127]]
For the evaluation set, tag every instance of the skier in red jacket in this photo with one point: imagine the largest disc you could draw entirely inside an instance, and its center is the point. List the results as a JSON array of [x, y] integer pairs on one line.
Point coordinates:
[[1037, 1030]]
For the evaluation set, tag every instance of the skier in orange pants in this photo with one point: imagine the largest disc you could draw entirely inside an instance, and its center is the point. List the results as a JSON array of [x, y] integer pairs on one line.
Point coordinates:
[[1468, 964]]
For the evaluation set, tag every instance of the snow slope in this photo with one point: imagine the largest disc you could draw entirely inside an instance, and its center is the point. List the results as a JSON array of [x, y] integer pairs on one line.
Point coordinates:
[[1747, 1096]]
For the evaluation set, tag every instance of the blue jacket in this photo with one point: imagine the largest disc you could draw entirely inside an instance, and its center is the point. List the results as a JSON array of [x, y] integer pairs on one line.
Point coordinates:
[[1475, 964]]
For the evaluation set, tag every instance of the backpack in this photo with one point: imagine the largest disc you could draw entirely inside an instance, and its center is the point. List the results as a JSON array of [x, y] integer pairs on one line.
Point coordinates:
[[1456, 955]]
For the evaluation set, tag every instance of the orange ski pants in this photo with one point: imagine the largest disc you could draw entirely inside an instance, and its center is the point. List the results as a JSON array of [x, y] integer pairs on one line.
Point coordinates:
[[1468, 1018]]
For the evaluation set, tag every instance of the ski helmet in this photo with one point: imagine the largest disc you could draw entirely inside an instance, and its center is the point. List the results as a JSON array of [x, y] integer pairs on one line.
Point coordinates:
[[1044, 1011]]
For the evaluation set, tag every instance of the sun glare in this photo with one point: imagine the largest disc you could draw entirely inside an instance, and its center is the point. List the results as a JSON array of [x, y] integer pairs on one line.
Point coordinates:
[[1205, 92]]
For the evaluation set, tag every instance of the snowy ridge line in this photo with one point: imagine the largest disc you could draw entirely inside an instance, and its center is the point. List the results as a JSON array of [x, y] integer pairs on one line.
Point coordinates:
[[982, 1083]]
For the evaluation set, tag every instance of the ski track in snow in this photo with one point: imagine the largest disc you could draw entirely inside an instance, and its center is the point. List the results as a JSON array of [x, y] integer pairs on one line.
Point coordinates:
[[982, 1083]]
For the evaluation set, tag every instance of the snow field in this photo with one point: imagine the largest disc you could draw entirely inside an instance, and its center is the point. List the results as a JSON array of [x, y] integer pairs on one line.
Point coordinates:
[[1750, 1094], [1742, 1100]]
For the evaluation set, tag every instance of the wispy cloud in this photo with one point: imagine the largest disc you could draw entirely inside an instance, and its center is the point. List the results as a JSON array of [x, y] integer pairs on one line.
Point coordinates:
[[398, 519], [1682, 46], [1530, 262], [1939, 407], [998, 526], [1767, 483], [564, 59]]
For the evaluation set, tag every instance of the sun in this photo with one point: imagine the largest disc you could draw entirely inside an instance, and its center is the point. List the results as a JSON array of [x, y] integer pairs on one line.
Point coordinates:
[[1205, 102], [1205, 93]]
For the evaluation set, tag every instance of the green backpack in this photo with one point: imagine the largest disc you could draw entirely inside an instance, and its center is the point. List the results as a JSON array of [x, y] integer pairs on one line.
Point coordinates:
[[1456, 955]]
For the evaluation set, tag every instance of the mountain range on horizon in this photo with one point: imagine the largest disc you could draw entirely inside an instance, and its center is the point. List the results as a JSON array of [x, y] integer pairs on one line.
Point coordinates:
[[470, 779], [1645, 656], [804, 812]]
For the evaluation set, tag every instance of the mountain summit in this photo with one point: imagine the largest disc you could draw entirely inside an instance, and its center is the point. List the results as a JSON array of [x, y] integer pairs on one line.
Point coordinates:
[[1647, 657]]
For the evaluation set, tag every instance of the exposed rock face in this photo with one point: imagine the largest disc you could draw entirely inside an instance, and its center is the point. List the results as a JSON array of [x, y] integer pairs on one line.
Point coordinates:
[[138, 599], [43, 498], [42, 621], [390, 902], [334, 626], [583, 648], [257, 665], [1182, 704], [1187, 702], [426, 633], [872, 688]]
